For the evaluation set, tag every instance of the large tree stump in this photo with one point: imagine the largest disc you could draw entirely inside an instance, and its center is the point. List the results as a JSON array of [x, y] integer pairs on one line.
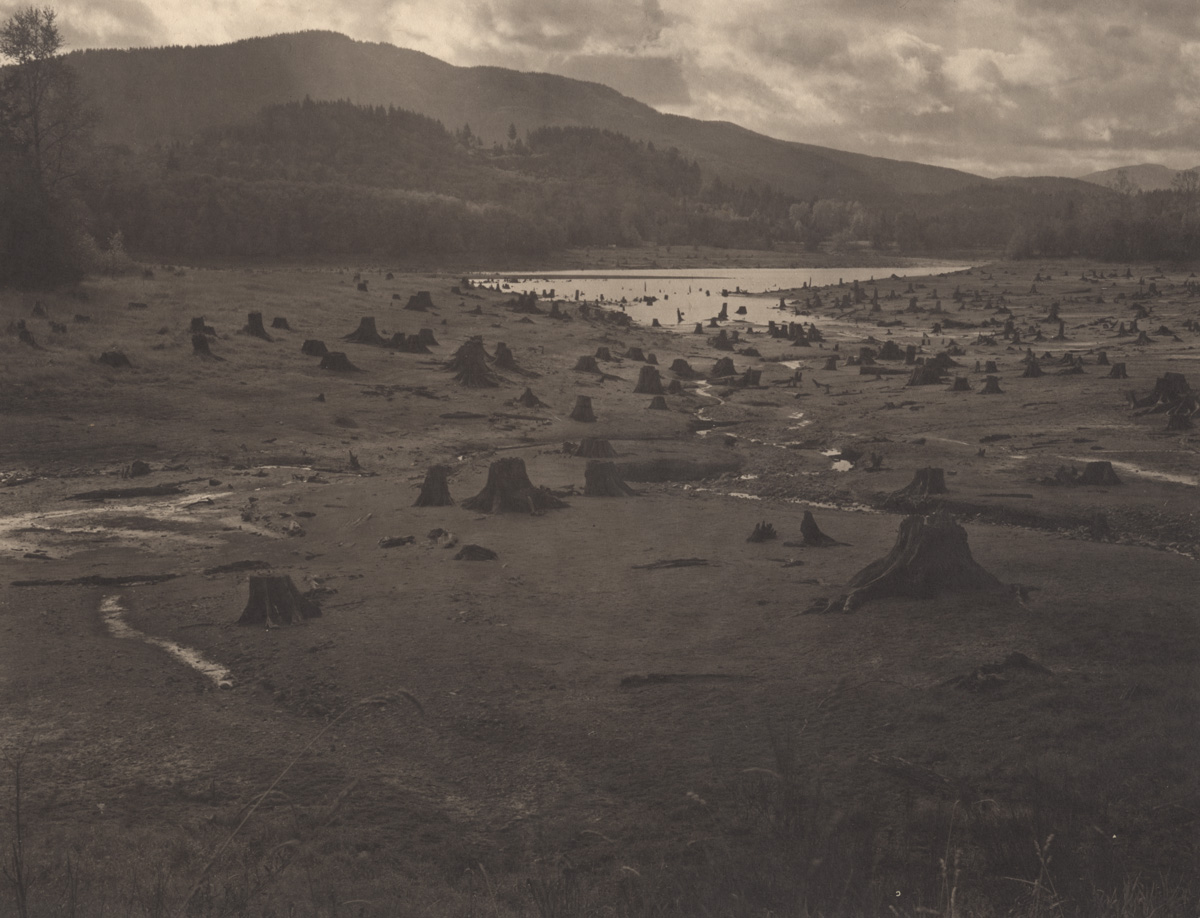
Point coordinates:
[[587, 365], [312, 347], [281, 322], [930, 557], [603, 353], [582, 411], [594, 448], [1033, 369], [812, 535], [602, 480], [674, 387], [722, 341], [506, 361], [926, 483], [961, 384], [425, 336], [1099, 473], [435, 491], [925, 375], [254, 327], [366, 333], [763, 532], [338, 362], [200, 348], [723, 368], [831, 362], [274, 600], [658, 403], [635, 353], [649, 382], [469, 365], [683, 369], [1118, 371], [199, 328], [991, 386], [420, 301], [1102, 359], [509, 490]]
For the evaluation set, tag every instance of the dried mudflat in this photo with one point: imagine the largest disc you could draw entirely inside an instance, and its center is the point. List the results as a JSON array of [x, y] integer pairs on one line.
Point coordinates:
[[582, 708]]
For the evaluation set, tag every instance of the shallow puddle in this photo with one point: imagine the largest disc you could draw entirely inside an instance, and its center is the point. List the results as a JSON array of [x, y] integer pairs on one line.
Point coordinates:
[[113, 614]]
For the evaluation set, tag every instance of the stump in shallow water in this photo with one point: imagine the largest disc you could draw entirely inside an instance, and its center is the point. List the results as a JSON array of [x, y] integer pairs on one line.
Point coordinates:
[[991, 386], [594, 448], [313, 347], [469, 365], [274, 600], [930, 557], [435, 490], [366, 333], [254, 327], [338, 362], [658, 403], [649, 382], [602, 480], [1099, 473], [509, 490], [583, 410]]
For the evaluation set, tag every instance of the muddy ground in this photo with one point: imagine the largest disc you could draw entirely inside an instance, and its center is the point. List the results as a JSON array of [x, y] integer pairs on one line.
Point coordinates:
[[579, 708]]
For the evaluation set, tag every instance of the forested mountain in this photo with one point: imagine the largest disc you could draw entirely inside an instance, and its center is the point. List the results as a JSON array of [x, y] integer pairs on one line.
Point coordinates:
[[151, 95], [1145, 177]]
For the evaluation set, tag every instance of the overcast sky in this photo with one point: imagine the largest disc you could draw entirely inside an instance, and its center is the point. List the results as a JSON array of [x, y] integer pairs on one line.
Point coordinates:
[[995, 87]]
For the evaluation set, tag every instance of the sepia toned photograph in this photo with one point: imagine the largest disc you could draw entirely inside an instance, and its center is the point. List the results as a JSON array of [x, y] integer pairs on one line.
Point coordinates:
[[625, 459]]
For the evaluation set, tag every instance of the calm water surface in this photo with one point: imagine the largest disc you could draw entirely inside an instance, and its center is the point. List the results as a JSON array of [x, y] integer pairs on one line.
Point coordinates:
[[698, 293]]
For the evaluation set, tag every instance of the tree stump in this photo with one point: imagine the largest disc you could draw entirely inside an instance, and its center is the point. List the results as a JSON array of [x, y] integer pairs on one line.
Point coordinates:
[[509, 490], [425, 336], [1099, 473], [366, 333], [594, 448], [652, 359], [420, 301], [1102, 359], [925, 375], [649, 382], [25, 336], [658, 403], [722, 368], [960, 384], [990, 367], [435, 491], [1118, 371], [338, 362], [475, 553], [274, 600], [991, 386], [582, 411], [602, 480], [528, 400], [280, 322], [635, 353], [603, 353], [683, 369], [926, 483], [1033, 369], [587, 365], [200, 348], [812, 535], [199, 328], [674, 387], [722, 342], [931, 556], [469, 365], [763, 532], [831, 362], [254, 327], [506, 361], [115, 359], [312, 347]]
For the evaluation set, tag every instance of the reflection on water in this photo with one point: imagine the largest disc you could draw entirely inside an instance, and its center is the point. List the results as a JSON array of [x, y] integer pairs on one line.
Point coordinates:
[[681, 297]]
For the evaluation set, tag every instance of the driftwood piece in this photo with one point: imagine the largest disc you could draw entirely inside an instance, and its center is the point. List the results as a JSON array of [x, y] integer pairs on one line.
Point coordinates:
[[509, 490], [274, 600]]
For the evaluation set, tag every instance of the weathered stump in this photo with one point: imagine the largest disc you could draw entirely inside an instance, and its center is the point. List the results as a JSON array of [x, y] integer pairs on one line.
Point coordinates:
[[470, 368], [991, 386], [1118, 371], [722, 368], [925, 375], [831, 362], [435, 490], [274, 600], [812, 535], [475, 553], [1033, 369], [1102, 359], [199, 328], [200, 348], [587, 365], [931, 556], [960, 384], [313, 347], [280, 322], [420, 301], [649, 382], [1099, 473], [602, 480], [583, 410], [528, 400], [603, 353], [115, 359], [926, 483], [763, 532], [254, 327], [658, 403], [594, 448], [683, 369], [366, 333], [509, 490], [635, 353], [338, 362], [425, 336]]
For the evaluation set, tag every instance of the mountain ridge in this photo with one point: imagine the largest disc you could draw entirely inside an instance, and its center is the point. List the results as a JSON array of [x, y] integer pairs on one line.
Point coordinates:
[[161, 95]]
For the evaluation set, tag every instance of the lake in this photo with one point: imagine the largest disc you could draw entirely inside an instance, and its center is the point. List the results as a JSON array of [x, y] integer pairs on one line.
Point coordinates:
[[698, 293]]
